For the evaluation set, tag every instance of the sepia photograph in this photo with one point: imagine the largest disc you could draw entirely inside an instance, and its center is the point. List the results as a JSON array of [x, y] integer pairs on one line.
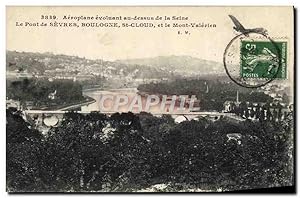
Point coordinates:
[[150, 99]]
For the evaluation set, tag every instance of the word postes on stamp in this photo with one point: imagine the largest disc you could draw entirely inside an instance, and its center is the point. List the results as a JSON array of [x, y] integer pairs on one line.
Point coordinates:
[[253, 60], [263, 59]]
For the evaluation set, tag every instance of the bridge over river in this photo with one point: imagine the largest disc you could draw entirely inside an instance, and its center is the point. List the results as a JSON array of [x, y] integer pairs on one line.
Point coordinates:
[[52, 118]]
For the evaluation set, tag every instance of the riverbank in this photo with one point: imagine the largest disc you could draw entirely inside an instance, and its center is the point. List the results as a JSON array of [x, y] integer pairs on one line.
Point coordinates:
[[72, 106]]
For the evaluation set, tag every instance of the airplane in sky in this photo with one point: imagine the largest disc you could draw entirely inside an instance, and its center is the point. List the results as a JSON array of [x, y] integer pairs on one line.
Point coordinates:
[[240, 28]]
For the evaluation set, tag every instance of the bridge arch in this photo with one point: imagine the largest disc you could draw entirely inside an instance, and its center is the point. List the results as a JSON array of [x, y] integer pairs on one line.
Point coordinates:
[[181, 118], [51, 120]]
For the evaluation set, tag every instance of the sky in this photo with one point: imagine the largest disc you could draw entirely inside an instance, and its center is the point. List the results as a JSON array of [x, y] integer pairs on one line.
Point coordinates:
[[128, 43]]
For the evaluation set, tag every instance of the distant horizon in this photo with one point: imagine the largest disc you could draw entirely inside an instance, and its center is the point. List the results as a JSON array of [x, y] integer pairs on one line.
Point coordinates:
[[111, 60]]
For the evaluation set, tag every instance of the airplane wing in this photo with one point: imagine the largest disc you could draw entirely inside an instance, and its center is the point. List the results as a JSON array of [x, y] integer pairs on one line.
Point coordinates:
[[237, 24]]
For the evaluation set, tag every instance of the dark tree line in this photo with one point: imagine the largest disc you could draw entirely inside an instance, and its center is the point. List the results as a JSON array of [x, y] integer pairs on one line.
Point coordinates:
[[37, 91], [212, 94], [127, 152]]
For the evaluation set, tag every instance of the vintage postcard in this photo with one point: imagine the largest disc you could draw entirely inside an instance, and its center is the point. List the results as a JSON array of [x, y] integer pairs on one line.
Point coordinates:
[[149, 99]]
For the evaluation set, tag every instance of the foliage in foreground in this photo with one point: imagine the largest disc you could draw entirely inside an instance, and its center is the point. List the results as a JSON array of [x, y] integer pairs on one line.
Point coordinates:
[[126, 152]]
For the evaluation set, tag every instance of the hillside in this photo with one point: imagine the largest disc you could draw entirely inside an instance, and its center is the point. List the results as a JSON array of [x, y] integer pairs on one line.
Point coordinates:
[[186, 64]]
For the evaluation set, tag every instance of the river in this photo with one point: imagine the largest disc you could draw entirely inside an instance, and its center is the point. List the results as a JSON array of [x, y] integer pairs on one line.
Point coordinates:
[[131, 93], [98, 94]]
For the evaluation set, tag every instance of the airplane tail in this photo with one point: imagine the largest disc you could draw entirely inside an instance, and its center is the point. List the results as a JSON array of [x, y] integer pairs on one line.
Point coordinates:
[[238, 26]]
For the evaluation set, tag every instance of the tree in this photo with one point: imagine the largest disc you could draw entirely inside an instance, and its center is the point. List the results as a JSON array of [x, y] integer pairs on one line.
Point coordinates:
[[23, 147]]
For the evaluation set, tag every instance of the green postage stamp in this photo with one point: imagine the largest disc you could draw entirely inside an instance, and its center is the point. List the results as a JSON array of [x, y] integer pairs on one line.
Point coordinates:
[[263, 59]]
